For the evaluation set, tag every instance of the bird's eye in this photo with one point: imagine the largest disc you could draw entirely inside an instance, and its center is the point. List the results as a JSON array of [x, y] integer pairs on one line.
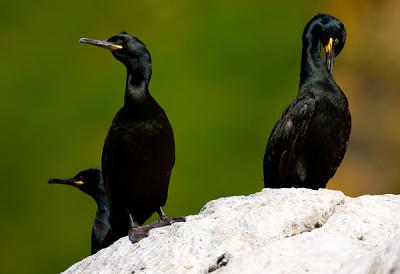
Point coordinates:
[[118, 42]]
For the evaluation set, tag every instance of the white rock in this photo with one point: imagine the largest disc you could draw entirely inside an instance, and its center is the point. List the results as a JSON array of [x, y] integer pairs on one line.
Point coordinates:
[[273, 231]]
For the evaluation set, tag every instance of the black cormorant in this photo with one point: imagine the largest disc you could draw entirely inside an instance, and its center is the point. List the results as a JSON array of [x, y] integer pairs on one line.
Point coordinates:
[[90, 182], [139, 151], [309, 141]]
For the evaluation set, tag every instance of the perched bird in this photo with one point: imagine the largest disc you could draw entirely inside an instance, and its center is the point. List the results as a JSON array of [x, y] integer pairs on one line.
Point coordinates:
[[139, 151], [309, 140], [90, 182]]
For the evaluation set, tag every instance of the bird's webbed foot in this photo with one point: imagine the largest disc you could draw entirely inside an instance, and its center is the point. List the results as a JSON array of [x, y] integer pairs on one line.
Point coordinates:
[[135, 234]]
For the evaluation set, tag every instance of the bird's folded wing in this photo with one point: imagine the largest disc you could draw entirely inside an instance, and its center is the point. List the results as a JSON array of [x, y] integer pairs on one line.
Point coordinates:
[[291, 131]]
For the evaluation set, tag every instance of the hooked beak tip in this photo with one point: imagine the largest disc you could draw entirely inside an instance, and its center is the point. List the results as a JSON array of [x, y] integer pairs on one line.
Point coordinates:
[[330, 60]]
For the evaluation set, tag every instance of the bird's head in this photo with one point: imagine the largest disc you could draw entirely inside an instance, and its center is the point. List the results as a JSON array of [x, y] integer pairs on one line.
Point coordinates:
[[89, 181], [127, 49], [330, 32]]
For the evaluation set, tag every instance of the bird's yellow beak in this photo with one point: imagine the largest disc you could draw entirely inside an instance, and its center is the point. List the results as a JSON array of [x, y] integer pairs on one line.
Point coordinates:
[[101, 43], [329, 46], [330, 55]]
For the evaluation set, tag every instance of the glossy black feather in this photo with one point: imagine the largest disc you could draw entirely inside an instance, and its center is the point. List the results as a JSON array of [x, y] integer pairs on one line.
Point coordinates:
[[309, 140]]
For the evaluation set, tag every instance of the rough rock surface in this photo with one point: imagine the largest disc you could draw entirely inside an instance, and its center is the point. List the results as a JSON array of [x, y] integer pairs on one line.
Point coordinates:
[[273, 231]]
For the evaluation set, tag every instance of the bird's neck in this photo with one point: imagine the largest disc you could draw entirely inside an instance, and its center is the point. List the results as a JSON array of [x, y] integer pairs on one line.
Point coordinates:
[[102, 203], [136, 91], [312, 65]]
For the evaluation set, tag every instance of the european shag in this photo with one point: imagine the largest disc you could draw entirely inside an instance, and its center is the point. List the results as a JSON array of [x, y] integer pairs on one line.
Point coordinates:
[[309, 141], [90, 182], [139, 150]]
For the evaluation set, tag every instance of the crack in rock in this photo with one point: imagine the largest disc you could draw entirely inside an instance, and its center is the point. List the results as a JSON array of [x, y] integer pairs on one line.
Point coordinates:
[[222, 261]]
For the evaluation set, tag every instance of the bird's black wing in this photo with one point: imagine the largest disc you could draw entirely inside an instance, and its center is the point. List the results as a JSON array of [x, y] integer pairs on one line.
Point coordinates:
[[287, 137]]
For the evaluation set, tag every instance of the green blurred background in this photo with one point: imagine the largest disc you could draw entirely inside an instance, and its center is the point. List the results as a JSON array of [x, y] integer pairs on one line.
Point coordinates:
[[223, 71]]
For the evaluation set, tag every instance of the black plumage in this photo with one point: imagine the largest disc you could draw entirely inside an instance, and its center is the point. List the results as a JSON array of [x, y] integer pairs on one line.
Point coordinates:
[[139, 151], [309, 140], [90, 182]]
